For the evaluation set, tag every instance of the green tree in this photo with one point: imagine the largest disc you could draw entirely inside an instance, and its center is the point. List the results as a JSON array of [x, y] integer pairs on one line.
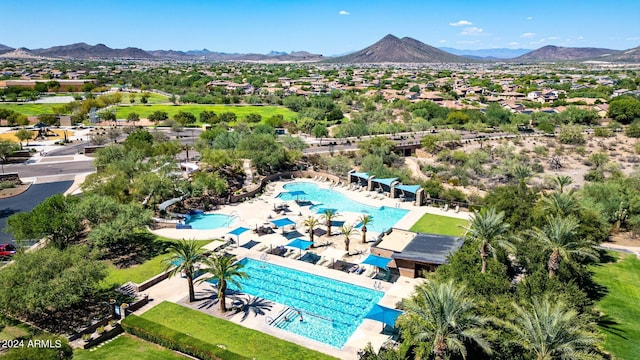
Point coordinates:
[[49, 119], [571, 134], [184, 118], [633, 130], [253, 118], [7, 148], [562, 181], [624, 110], [53, 219], [441, 322], [311, 222], [224, 269], [49, 280], [553, 331], [158, 116], [320, 131], [184, 256], [347, 231], [559, 237], [488, 228], [328, 216], [208, 117], [24, 135], [133, 117], [365, 220]]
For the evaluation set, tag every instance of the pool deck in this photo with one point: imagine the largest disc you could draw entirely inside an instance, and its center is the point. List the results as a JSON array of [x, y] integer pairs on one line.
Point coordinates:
[[254, 213]]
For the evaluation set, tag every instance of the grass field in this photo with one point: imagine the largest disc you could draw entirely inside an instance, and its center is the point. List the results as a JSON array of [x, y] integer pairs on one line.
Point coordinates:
[[443, 225], [127, 347], [241, 111], [236, 338], [152, 99], [30, 109], [138, 273], [622, 280]]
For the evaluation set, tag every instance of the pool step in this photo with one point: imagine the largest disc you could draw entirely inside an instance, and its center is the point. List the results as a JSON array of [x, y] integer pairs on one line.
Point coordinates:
[[285, 317]]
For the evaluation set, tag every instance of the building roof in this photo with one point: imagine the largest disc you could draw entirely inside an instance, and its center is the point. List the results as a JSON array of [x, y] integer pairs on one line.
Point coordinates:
[[429, 248]]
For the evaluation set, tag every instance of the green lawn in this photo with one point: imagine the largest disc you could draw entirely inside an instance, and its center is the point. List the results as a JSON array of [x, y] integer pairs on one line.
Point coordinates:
[[241, 111], [621, 304], [127, 347], [14, 331], [236, 338], [138, 273], [30, 109], [437, 224]]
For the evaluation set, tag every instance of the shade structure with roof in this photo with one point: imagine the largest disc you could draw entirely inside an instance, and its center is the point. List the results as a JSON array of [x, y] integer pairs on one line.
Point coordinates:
[[409, 193], [386, 185], [281, 223], [383, 314], [375, 260], [300, 244], [360, 178], [237, 232]]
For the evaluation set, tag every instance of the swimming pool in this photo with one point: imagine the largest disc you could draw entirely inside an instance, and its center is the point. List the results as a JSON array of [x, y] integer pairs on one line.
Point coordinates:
[[384, 217], [210, 221], [332, 310]]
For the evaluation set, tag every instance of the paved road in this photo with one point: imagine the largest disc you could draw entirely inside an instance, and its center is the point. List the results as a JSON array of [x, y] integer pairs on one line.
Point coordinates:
[[48, 169], [27, 201]]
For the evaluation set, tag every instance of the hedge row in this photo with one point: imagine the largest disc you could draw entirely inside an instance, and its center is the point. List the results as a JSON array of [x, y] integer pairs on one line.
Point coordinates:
[[175, 340]]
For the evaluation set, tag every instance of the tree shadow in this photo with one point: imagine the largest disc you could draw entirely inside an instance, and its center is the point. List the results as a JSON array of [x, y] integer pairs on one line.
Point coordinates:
[[140, 248], [610, 325], [6, 212]]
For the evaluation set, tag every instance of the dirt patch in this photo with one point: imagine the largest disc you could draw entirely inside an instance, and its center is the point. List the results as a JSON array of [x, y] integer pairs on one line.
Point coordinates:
[[19, 189], [624, 239]]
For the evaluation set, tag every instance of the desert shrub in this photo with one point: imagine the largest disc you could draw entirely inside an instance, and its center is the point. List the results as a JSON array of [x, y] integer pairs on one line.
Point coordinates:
[[580, 150], [537, 168], [602, 132], [571, 134], [540, 150], [633, 130], [7, 184]]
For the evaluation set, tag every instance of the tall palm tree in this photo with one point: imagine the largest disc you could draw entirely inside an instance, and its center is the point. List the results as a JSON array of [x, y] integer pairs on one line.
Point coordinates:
[[365, 219], [440, 320], [559, 237], [185, 254], [562, 181], [311, 223], [560, 204], [347, 231], [553, 331], [488, 227], [226, 270], [328, 215]]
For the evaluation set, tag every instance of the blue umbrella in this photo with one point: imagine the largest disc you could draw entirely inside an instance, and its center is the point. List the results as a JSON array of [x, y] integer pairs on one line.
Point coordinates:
[[300, 244], [384, 314]]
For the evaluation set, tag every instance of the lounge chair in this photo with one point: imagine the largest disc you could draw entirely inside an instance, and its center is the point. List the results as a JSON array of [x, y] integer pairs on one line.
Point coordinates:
[[446, 207], [322, 261], [361, 270], [354, 269]]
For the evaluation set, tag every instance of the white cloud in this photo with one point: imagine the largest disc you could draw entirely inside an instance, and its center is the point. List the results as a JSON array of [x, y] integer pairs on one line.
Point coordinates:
[[543, 40], [471, 31], [461, 23], [634, 38], [528, 35], [442, 41], [529, 17], [553, 38], [513, 43], [343, 12]]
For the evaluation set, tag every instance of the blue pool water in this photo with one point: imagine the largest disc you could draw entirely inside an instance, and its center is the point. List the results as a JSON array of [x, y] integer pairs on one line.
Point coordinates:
[[331, 310], [384, 217], [210, 221]]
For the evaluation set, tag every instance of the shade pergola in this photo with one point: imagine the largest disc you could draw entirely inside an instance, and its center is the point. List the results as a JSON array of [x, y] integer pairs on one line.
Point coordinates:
[[281, 223], [386, 182], [376, 260], [407, 189], [360, 177], [383, 314], [300, 244], [237, 232]]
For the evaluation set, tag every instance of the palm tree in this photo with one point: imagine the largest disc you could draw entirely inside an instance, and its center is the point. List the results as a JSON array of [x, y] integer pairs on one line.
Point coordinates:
[[488, 227], [328, 215], [226, 270], [522, 174], [552, 331], [562, 181], [440, 320], [559, 237], [347, 231], [560, 204], [185, 254], [311, 223], [365, 220]]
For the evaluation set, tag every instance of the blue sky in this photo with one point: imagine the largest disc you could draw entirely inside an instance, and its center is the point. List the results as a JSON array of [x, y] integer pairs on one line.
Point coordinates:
[[320, 26]]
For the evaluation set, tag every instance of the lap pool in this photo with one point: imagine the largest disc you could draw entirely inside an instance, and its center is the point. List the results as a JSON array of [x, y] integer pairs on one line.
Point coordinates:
[[384, 217], [332, 310]]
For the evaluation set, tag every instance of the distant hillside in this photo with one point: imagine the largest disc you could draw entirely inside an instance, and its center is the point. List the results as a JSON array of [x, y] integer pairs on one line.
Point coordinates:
[[20, 53], [630, 55], [86, 51], [206, 55], [487, 54], [557, 53], [391, 49], [5, 49]]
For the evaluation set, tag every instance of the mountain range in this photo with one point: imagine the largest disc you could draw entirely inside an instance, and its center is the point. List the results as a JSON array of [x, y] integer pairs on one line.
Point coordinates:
[[389, 49]]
